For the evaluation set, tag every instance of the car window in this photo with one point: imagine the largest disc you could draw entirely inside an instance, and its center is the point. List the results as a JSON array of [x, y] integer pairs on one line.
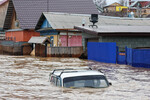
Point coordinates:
[[58, 82], [95, 81]]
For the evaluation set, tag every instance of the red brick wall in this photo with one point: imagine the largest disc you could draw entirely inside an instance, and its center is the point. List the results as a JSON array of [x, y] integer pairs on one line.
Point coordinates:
[[28, 34]]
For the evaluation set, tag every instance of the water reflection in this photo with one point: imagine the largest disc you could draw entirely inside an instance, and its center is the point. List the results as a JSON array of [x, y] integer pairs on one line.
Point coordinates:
[[28, 78]]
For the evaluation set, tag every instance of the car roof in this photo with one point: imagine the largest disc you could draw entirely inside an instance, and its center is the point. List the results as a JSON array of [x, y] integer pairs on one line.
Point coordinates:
[[74, 73]]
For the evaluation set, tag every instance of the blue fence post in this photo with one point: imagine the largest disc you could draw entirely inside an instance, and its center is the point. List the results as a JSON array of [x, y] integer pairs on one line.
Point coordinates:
[[117, 52], [132, 57], [126, 55]]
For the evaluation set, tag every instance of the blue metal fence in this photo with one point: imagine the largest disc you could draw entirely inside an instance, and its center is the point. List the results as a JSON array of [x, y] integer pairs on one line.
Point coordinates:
[[109, 53], [141, 58], [138, 57], [102, 52]]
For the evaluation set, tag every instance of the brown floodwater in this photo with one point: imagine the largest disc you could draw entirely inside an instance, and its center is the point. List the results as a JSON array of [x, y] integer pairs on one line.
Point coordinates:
[[27, 78]]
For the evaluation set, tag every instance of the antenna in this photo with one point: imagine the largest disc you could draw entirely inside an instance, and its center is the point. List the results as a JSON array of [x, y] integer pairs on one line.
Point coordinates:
[[94, 19]]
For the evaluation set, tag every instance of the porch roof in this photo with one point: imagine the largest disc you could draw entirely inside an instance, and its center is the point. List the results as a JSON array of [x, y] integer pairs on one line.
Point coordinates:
[[39, 40]]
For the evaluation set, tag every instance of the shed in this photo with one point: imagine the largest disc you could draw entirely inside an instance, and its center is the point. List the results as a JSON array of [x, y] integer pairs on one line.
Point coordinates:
[[39, 46]]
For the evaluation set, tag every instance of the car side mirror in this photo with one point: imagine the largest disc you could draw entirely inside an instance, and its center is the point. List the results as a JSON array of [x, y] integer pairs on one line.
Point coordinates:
[[110, 83]]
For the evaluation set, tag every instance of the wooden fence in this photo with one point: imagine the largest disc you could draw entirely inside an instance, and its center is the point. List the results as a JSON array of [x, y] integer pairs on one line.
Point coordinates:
[[10, 50], [64, 51], [13, 48]]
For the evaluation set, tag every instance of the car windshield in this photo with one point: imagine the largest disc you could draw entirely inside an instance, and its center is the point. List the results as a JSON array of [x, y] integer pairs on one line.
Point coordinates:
[[94, 81]]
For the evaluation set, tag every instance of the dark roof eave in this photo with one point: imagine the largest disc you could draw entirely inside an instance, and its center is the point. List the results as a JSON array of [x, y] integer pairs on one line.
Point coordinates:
[[45, 29]]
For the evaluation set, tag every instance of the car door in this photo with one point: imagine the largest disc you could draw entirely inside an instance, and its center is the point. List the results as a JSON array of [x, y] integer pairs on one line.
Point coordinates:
[[53, 80], [58, 82]]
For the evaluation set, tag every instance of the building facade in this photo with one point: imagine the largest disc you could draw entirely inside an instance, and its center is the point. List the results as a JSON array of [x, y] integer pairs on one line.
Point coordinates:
[[123, 36]]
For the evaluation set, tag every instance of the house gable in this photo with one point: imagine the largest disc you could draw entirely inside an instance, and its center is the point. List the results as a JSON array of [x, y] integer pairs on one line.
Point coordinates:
[[45, 24]]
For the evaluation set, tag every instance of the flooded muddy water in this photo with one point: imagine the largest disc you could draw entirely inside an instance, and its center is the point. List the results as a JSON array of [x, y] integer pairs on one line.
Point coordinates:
[[27, 78]]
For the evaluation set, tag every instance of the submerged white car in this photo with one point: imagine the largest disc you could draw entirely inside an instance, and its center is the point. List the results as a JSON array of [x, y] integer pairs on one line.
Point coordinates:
[[78, 78]]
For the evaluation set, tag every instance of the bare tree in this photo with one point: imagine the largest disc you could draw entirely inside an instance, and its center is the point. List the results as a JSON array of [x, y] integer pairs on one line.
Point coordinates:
[[122, 2], [100, 3]]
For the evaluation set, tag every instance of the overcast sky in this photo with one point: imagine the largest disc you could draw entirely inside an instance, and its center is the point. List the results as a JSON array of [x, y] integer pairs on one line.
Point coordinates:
[[111, 1]]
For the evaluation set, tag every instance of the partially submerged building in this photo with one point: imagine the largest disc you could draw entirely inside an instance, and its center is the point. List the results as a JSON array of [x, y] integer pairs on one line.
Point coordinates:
[[59, 27], [130, 36]]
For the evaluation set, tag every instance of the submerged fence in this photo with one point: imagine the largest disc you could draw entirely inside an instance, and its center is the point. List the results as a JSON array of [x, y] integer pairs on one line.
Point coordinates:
[[109, 53], [11, 48], [23, 48], [138, 57], [64, 51]]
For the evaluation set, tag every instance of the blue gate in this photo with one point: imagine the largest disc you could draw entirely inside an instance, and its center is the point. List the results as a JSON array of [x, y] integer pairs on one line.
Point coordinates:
[[102, 51], [121, 57]]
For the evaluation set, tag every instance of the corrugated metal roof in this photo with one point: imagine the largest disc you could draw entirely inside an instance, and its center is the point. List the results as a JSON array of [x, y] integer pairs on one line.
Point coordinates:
[[115, 29], [123, 21], [39, 40], [65, 21], [29, 11], [68, 21]]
